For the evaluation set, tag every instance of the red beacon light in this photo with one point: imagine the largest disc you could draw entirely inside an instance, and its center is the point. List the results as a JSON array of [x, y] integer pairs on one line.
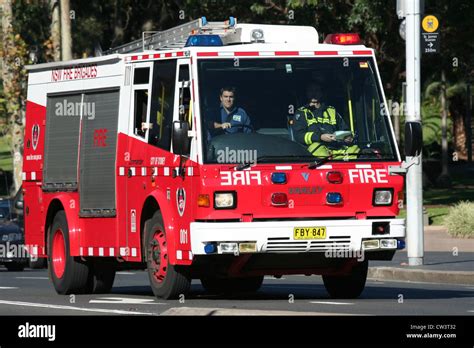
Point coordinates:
[[343, 39]]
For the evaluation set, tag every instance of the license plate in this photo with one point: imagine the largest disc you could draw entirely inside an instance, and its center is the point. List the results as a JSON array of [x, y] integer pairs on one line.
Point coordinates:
[[317, 232]]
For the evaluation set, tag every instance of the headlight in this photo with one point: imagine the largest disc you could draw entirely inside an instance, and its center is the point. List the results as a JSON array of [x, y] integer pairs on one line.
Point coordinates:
[[225, 200], [382, 197]]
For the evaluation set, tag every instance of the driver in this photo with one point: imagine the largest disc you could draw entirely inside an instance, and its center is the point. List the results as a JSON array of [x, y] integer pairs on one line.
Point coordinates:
[[316, 124], [233, 119]]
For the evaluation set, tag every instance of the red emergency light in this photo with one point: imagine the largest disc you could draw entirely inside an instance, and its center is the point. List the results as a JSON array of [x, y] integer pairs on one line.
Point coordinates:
[[343, 39]]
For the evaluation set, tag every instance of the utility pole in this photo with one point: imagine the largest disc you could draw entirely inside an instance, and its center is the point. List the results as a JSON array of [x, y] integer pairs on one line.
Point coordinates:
[[414, 175]]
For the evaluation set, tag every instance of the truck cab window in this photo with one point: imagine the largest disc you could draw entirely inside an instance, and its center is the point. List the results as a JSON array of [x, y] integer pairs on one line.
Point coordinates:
[[185, 107], [141, 76], [184, 98], [141, 103], [162, 101]]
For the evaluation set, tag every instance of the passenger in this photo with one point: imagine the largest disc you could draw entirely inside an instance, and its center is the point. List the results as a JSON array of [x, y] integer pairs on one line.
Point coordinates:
[[231, 118]]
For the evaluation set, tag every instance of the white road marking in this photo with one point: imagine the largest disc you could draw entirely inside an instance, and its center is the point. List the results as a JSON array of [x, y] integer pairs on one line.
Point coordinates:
[[331, 303], [71, 308], [124, 300], [42, 278], [273, 278], [7, 288], [125, 273]]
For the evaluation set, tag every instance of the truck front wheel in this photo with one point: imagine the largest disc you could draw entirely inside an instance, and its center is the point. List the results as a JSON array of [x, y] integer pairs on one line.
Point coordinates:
[[167, 281], [347, 286], [68, 273]]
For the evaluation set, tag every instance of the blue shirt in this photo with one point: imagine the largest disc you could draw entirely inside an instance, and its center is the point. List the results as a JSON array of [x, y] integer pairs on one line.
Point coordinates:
[[236, 117]]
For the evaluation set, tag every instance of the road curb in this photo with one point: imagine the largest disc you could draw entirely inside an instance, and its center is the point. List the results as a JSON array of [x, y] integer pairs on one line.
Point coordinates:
[[421, 275]]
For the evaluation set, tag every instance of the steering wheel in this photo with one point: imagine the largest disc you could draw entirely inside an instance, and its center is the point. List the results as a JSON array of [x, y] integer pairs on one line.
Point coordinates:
[[243, 126]]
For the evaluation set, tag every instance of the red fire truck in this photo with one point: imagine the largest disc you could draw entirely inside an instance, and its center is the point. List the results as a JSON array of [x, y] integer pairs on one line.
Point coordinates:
[[124, 167]]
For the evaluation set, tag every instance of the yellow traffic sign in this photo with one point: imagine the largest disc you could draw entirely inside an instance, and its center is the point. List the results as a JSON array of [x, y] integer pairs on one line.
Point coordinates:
[[430, 24]]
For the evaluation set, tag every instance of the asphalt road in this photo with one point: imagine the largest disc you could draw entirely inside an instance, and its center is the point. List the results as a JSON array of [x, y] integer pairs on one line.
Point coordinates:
[[31, 293]]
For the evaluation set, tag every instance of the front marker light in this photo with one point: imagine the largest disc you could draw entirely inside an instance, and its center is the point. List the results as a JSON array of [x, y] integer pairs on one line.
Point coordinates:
[[382, 197], [248, 247], [388, 243], [225, 200], [370, 244], [229, 247]]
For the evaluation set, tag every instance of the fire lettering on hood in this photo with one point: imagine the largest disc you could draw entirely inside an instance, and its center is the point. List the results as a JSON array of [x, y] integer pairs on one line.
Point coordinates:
[[244, 177], [367, 176]]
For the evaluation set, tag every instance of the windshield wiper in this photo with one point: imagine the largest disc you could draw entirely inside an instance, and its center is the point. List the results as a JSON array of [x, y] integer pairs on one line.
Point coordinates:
[[321, 161], [245, 165]]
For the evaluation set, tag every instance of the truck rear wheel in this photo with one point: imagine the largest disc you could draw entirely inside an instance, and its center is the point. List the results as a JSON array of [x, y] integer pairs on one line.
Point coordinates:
[[231, 285], [167, 281], [69, 274], [347, 286]]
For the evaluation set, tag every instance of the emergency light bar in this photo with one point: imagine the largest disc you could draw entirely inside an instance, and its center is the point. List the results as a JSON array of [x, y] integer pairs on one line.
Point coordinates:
[[204, 40], [343, 39]]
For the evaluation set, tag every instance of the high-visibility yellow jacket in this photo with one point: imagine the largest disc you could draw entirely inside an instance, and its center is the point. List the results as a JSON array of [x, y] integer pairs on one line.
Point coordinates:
[[310, 124]]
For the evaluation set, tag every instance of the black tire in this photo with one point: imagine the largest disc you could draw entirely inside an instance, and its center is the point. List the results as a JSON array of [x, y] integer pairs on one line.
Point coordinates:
[[15, 266], [167, 281], [348, 286], [74, 278], [38, 264], [215, 285], [101, 277]]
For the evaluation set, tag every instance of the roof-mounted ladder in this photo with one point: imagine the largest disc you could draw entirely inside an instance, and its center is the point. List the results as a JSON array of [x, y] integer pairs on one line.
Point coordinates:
[[176, 37]]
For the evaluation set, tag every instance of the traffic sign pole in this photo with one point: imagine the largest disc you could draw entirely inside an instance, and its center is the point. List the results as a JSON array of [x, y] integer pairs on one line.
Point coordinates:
[[415, 246]]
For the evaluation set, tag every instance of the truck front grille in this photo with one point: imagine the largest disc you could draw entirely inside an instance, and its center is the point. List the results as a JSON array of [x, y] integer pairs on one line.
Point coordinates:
[[286, 245]]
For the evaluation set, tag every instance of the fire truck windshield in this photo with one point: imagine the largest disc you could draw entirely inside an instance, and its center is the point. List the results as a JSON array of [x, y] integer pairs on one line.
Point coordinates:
[[285, 110]]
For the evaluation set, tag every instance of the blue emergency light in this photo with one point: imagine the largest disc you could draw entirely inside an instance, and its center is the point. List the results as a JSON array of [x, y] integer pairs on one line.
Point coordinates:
[[204, 40], [279, 178], [334, 198]]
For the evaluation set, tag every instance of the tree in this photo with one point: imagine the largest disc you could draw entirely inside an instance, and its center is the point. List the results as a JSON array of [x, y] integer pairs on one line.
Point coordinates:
[[66, 38], [56, 30], [15, 56]]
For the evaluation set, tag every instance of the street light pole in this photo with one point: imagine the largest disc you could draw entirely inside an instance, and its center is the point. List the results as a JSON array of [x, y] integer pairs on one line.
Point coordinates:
[[414, 174]]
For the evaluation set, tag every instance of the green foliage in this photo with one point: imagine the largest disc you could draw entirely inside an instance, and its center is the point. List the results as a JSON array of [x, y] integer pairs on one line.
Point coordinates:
[[460, 220], [431, 117], [32, 20], [6, 160]]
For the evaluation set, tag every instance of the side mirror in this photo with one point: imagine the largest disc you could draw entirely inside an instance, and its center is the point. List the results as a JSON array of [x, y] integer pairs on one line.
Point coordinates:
[[413, 139], [181, 140]]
